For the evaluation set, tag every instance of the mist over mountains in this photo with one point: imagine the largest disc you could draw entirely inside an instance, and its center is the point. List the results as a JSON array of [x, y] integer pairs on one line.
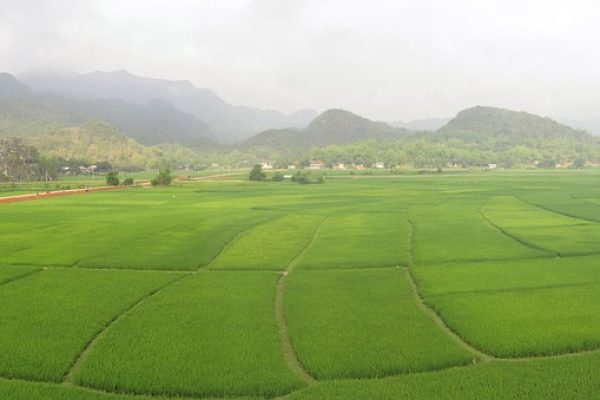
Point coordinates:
[[227, 123], [136, 122]]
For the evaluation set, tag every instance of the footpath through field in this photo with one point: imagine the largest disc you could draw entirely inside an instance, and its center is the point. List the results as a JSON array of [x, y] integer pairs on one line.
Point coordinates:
[[55, 193]]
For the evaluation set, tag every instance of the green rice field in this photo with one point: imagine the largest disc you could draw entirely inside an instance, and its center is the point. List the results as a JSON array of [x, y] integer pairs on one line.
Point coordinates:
[[475, 285]]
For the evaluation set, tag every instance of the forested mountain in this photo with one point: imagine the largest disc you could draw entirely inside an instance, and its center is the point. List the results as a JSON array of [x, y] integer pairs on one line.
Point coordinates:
[[85, 122], [23, 112], [330, 128], [228, 123], [512, 126], [477, 137]]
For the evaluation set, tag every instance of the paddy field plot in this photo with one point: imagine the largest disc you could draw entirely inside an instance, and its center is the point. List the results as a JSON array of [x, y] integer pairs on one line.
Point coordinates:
[[9, 274], [544, 229], [526, 322], [363, 323], [140, 234], [47, 318], [557, 379], [210, 334], [455, 230], [232, 289], [270, 245], [359, 239]]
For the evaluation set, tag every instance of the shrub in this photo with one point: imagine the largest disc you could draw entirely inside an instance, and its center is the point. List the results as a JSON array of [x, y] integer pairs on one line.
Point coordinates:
[[163, 178], [112, 178], [257, 174], [128, 181], [278, 177]]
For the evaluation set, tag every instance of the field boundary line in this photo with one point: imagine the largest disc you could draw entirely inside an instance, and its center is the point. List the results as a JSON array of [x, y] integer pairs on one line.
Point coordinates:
[[350, 268], [441, 323], [517, 289], [18, 277], [166, 271], [430, 312], [289, 352], [69, 376], [550, 210], [516, 238]]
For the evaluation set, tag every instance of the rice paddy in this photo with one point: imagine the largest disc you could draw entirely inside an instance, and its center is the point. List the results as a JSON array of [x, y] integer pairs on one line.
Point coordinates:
[[481, 285]]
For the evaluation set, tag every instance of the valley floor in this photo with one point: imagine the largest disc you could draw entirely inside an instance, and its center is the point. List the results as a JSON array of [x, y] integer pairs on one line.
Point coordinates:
[[462, 286]]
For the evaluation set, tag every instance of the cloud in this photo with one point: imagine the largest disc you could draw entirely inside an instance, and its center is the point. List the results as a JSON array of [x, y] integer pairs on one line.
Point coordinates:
[[383, 59]]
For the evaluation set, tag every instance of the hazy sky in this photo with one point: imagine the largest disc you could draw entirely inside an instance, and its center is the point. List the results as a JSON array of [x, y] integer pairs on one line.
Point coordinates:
[[383, 59]]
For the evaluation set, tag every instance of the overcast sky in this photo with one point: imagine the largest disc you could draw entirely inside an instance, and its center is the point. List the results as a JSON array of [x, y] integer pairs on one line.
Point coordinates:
[[386, 60]]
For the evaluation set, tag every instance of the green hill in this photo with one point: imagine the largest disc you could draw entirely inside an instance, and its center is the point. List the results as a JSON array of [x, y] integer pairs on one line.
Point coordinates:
[[477, 137], [94, 140], [333, 127], [516, 126]]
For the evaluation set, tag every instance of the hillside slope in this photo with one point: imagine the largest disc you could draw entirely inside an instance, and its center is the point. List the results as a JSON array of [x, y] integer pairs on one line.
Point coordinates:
[[332, 127], [23, 112]]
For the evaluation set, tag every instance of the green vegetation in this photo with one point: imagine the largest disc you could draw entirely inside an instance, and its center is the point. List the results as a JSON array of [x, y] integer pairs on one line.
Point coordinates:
[[565, 378], [163, 178], [155, 230], [551, 231], [112, 178], [360, 239], [455, 230], [49, 317], [8, 273], [262, 290], [363, 323], [271, 245], [211, 334], [525, 322], [257, 174]]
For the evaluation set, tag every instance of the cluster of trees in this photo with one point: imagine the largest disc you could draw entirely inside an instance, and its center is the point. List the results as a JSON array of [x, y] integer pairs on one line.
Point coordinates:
[[163, 178], [301, 177], [433, 150]]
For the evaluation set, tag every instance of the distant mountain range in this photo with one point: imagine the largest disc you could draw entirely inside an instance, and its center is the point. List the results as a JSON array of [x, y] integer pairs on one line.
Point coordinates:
[[226, 123], [138, 122]]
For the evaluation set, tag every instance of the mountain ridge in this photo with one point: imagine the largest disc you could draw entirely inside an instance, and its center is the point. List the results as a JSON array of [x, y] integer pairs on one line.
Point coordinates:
[[228, 123]]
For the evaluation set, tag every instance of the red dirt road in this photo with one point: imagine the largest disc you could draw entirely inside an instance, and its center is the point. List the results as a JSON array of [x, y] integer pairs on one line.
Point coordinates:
[[57, 193]]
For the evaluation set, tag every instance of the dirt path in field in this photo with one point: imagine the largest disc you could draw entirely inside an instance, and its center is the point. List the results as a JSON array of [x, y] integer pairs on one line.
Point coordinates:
[[431, 313], [55, 193], [289, 353]]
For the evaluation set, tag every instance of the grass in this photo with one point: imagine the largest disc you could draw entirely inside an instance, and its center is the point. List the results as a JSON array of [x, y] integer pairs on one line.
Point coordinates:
[[48, 318], [270, 245], [211, 334], [359, 239], [363, 323]]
